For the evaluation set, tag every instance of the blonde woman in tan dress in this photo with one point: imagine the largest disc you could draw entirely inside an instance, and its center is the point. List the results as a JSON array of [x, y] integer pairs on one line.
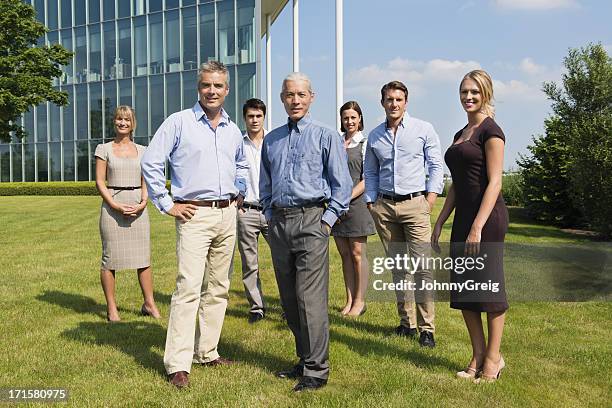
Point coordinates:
[[124, 221]]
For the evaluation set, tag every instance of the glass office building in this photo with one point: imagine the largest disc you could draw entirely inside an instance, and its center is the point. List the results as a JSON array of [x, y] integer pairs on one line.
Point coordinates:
[[142, 53]]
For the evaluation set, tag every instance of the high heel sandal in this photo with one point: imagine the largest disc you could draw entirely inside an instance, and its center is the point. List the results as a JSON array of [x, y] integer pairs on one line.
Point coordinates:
[[491, 378], [145, 312], [361, 313], [469, 373]]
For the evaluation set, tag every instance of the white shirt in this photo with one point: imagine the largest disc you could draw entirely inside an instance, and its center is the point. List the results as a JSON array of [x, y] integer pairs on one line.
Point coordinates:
[[252, 154], [355, 140]]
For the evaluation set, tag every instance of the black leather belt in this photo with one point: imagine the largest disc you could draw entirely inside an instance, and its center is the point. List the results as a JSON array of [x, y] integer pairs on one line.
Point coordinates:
[[208, 203], [397, 197], [252, 207], [301, 208], [124, 188]]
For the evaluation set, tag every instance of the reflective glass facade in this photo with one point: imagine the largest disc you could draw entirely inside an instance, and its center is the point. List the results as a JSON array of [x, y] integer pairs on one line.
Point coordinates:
[[142, 53]]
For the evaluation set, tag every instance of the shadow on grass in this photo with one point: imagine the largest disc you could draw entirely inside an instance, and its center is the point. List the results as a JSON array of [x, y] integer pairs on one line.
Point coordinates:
[[77, 303], [266, 361], [410, 351], [86, 305], [136, 339]]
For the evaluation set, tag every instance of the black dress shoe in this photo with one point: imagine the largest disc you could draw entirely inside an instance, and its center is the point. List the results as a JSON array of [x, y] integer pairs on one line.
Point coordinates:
[[309, 383], [427, 339], [255, 317], [294, 372], [404, 331]]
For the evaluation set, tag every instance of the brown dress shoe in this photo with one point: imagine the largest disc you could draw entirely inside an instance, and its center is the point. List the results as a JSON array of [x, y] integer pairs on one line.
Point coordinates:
[[219, 361], [180, 379]]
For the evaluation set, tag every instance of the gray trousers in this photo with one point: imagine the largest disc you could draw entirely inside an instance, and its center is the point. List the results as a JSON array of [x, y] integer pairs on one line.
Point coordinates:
[[300, 252], [251, 223]]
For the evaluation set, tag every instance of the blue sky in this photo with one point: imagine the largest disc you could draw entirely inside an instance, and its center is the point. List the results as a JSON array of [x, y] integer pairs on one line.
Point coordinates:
[[430, 45]]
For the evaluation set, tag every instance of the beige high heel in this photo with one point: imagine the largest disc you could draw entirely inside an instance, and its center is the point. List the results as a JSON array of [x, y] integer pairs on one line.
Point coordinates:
[[492, 378], [469, 373]]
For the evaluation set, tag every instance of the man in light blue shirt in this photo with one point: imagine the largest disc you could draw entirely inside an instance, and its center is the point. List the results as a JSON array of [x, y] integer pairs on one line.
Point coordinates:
[[208, 174], [304, 187], [400, 153]]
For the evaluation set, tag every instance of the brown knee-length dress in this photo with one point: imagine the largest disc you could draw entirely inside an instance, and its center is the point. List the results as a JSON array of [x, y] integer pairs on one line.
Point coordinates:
[[125, 240], [467, 163]]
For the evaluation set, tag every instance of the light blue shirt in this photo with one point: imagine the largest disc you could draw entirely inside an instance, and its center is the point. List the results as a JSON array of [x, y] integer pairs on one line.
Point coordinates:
[[302, 164], [396, 165], [205, 164]]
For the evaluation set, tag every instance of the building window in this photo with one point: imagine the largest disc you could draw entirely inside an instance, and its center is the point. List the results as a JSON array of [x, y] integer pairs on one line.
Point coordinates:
[[41, 159], [41, 124], [110, 104], [246, 31], [80, 8], [94, 11], [109, 50], [226, 29], [123, 68], [52, 15], [82, 111], [156, 39], [173, 42], [141, 107], [66, 37], [96, 120], [80, 57], [140, 46], [207, 33], [156, 93], [66, 13], [190, 39], [95, 54], [109, 9], [68, 115]]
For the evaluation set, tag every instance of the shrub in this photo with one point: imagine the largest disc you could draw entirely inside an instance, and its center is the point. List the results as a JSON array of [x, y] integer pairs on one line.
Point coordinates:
[[512, 189], [52, 188]]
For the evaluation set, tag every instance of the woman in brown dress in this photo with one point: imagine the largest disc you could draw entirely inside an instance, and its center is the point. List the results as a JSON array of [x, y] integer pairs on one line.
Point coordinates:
[[475, 160], [351, 232], [124, 221]]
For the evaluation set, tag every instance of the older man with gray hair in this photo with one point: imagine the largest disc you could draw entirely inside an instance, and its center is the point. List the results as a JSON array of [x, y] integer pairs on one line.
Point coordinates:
[[304, 187], [205, 152]]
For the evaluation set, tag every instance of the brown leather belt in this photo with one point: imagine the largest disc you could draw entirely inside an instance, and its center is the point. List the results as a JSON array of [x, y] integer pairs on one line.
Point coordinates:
[[208, 203]]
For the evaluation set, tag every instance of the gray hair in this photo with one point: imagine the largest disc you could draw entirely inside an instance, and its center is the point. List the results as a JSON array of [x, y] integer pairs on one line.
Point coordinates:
[[297, 76], [214, 66]]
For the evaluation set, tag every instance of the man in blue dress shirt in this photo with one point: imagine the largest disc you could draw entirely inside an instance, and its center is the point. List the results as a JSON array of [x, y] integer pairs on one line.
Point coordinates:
[[304, 187], [205, 153], [399, 154]]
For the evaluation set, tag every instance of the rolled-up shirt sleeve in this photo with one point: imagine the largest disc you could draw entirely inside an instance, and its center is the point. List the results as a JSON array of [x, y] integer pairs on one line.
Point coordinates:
[[433, 158], [265, 183], [370, 173], [339, 179], [242, 170], [153, 164]]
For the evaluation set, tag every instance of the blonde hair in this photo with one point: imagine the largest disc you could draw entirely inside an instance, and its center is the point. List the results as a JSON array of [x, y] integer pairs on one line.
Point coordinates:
[[125, 111], [485, 83]]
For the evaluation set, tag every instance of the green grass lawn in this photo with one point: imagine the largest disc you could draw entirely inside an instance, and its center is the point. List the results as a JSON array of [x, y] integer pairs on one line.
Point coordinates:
[[54, 333]]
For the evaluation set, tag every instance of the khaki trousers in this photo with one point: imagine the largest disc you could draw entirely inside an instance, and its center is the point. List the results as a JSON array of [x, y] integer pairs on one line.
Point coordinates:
[[401, 225], [204, 250]]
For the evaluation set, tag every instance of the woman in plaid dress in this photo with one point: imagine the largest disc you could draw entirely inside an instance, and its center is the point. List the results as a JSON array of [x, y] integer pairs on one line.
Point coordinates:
[[124, 221]]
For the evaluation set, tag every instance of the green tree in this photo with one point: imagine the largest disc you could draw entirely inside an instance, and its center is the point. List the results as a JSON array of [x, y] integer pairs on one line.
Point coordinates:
[[545, 185], [26, 70], [571, 166]]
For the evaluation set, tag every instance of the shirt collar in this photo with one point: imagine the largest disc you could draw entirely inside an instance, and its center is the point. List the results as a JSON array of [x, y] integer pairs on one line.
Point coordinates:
[[357, 137], [199, 113], [301, 124], [246, 137], [401, 124]]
